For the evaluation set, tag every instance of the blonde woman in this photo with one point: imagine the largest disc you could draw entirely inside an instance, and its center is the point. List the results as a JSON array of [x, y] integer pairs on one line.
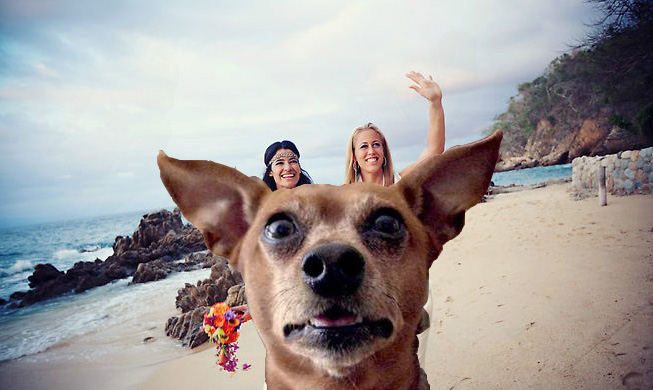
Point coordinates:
[[369, 160], [368, 155]]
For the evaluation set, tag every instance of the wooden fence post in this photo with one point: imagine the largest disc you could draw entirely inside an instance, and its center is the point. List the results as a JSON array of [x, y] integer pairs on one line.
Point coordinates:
[[603, 200]]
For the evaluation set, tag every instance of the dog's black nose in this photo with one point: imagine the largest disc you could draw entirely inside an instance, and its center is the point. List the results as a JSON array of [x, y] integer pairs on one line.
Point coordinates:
[[333, 270]]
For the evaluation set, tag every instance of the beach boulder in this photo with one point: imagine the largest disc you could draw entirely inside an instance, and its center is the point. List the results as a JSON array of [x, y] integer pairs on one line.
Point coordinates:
[[224, 285], [209, 291], [152, 228], [188, 327], [43, 273]]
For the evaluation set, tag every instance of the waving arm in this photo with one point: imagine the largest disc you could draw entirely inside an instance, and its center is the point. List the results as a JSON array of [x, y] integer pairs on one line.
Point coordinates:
[[435, 136]]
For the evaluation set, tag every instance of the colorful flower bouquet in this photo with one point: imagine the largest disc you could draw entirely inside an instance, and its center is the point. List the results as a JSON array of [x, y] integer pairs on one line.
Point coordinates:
[[222, 323]]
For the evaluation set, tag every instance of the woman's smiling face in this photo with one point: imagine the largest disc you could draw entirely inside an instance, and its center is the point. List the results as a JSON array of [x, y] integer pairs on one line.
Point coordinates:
[[285, 169], [368, 150]]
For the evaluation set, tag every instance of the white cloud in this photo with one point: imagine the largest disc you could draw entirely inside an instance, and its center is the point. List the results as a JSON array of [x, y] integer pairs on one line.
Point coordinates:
[[94, 90], [45, 71]]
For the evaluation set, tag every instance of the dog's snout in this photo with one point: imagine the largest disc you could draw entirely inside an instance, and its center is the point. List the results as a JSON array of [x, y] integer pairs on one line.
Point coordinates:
[[333, 270]]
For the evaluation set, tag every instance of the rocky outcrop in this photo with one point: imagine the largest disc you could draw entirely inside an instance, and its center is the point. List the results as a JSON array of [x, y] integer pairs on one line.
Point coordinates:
[[160, 237], [160, 269], [510, 163], [549, 145], [188, 327], [43, 273], [224, 285]]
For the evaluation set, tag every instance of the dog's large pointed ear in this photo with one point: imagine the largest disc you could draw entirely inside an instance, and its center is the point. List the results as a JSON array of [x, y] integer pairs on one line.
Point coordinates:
[[220, 201], [443, 187]]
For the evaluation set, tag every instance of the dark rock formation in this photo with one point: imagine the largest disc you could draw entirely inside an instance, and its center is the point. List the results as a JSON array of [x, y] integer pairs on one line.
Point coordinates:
[[43, 273], [160, 269], [224, 285], [236, 295], [209, 291], [188, 327], [161, 236]]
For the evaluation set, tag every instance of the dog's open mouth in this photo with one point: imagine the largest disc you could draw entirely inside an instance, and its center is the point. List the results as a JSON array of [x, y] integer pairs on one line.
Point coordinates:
[[338, 329]]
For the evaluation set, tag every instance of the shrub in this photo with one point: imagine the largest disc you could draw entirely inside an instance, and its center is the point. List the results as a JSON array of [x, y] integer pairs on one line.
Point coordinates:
[[617, 119], [644, 122]]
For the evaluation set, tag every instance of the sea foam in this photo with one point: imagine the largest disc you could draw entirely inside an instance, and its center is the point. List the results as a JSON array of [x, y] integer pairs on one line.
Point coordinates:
[[32, 330], [21, 265], [84, 254]]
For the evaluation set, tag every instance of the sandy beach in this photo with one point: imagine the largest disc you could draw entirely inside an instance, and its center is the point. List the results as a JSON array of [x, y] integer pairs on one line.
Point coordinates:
[[539, 291]]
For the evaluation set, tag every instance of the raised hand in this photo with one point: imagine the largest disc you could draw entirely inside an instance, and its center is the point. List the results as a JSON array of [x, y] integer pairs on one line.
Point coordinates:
[[425, 87], [435, 134], [242, 312]]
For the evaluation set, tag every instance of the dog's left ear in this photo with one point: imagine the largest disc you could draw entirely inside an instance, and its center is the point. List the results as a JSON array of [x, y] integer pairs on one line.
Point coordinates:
[[443, 187], [220, 201]]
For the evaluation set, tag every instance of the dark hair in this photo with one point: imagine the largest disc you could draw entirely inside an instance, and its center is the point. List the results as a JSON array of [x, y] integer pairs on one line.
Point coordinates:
[[304, 177]]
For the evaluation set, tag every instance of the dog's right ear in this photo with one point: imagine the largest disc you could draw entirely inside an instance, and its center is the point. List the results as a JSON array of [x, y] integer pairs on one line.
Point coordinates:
[[220, 201], [441, 188]]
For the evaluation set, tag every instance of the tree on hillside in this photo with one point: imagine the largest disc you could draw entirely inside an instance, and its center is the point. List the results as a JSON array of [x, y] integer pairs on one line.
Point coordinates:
[[622, 38], [608, 77], [623, 47], [618, 16]]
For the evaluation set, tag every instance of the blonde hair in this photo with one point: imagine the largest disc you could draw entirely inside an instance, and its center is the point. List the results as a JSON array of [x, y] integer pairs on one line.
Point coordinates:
[[352, 174]]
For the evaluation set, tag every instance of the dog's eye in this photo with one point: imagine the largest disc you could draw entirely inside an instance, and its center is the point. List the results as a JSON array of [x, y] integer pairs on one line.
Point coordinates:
[[387, 224], [384, 232], [279, 229], [386, 221]]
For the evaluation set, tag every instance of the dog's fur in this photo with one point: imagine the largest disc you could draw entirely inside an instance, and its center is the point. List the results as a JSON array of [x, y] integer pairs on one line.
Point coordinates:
[[336, 276]]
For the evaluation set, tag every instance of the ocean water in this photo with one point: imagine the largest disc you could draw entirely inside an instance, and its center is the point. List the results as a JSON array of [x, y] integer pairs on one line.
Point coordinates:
[[61, 244], [38, 332], [529, 176], [29, 332], [99, 319]]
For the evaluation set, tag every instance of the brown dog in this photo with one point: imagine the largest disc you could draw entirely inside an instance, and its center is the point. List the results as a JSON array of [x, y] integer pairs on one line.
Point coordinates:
[[336, 276]]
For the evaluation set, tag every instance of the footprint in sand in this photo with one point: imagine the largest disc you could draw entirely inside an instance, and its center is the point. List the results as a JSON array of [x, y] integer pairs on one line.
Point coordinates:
[[633, 380]]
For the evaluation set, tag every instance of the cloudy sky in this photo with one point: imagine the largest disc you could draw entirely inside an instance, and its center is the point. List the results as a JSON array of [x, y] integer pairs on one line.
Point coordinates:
[[91, 90]]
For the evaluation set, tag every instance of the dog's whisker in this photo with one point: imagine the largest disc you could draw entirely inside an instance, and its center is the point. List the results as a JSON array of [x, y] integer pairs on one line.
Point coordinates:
[[281, 293], [284, 299], [352, 384]]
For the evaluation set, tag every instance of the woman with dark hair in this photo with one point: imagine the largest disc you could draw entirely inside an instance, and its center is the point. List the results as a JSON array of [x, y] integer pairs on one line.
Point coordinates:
[[282, 169]]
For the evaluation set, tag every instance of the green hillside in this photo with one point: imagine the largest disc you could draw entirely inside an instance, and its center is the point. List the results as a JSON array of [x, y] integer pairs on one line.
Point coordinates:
[[608, 78]]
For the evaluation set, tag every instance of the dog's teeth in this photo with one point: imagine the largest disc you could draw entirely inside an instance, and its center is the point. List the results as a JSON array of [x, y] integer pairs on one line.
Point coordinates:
[[323, 321]]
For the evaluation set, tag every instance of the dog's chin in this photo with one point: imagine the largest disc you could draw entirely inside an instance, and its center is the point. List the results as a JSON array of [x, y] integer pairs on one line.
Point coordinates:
[[337, 339]]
